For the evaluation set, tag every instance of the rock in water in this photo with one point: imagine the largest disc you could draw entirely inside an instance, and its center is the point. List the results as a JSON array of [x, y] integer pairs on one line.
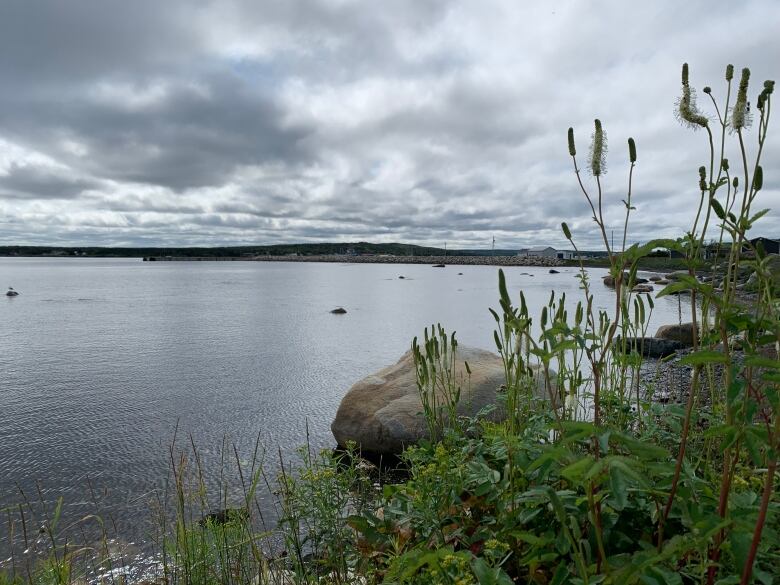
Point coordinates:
[[438, 266], [553, 271], [224, 516], [642, 288], [339, 311], [383, 412], [682, 332]]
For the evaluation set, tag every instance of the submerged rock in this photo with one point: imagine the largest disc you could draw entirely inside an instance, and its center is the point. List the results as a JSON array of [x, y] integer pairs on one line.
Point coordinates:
[[339, 311], [225, 516], [383, 413]]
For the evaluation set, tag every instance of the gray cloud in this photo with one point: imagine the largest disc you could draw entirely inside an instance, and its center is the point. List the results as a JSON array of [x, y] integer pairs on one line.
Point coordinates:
[[38, 182], [238, 122]]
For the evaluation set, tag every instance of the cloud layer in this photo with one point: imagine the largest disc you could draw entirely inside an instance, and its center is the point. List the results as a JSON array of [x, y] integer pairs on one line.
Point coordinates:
[[423, 121]]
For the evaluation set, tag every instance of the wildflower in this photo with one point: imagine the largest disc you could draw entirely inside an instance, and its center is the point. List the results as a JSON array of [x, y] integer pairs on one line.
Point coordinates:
[[687, 112], [740, 115], [598, 150]]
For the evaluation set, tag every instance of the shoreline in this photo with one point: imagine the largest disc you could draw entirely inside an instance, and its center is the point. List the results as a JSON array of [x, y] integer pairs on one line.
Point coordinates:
[[344, 259]]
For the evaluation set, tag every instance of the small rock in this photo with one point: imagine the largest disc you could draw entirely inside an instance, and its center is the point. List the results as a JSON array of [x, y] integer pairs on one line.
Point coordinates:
[[339, 311], [438, 265], [656, 278], [610, 281], [224, 516], [460, 274], [642, 288], [401, 277], [553, 271]]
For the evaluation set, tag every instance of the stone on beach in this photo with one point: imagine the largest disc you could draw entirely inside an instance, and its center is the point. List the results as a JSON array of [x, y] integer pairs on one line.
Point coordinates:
[[650, 346], [682, 332], [383, 413]]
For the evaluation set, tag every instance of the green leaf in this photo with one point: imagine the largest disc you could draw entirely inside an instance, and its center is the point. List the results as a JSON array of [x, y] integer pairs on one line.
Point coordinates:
[[487, 575], [674, 287], [618, 487], [577, 470], [702, 357], [759, 361], [754, 440]]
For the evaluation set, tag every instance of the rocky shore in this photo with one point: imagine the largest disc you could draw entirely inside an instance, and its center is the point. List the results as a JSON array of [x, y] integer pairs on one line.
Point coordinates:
[[432, 260]]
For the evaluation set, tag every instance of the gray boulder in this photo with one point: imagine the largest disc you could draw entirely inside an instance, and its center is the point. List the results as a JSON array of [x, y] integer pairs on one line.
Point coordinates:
[[682, 332], [383, 413], [650, 346], [642, 288]]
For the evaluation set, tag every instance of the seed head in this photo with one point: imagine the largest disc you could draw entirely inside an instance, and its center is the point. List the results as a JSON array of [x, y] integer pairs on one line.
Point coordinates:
[[598, 150], [566, 231], [707, 89], [769, 87], [740, 116], [687, 112], [729, 72], [631, 150], [702, 178], [735, 183], [724, 164], [572, 150]]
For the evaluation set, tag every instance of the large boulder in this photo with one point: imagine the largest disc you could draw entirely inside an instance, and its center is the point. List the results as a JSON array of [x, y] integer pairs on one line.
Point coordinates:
[[383, 412], [682, 332], [650, 346]]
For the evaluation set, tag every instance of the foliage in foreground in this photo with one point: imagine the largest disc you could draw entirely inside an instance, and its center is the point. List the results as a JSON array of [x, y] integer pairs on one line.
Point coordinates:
[[595, 484]]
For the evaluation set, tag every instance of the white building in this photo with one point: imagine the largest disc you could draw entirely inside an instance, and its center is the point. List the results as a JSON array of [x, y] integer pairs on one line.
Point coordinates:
[[547, 252]]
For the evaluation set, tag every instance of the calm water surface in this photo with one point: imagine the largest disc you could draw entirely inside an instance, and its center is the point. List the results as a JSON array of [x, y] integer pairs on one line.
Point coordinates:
[[101, 359]]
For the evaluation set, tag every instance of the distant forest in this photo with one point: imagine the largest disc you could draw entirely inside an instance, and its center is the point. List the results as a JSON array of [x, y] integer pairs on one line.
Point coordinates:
[[239, 251]]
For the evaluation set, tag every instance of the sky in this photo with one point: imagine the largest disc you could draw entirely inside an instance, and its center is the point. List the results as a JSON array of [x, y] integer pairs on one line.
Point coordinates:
[[230, 122]]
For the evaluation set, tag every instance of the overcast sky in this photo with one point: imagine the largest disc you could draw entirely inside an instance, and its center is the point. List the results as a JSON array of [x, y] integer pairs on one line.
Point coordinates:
[[150, 122]]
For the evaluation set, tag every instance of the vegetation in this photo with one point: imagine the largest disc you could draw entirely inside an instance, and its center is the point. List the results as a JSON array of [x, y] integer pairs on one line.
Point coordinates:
[[596, 483]]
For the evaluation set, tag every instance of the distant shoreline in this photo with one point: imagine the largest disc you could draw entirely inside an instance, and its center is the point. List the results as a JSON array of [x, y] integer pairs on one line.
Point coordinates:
[[379, 259]]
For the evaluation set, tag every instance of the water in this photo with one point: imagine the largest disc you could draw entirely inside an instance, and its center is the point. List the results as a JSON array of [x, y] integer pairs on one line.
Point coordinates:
[[101, 359]]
